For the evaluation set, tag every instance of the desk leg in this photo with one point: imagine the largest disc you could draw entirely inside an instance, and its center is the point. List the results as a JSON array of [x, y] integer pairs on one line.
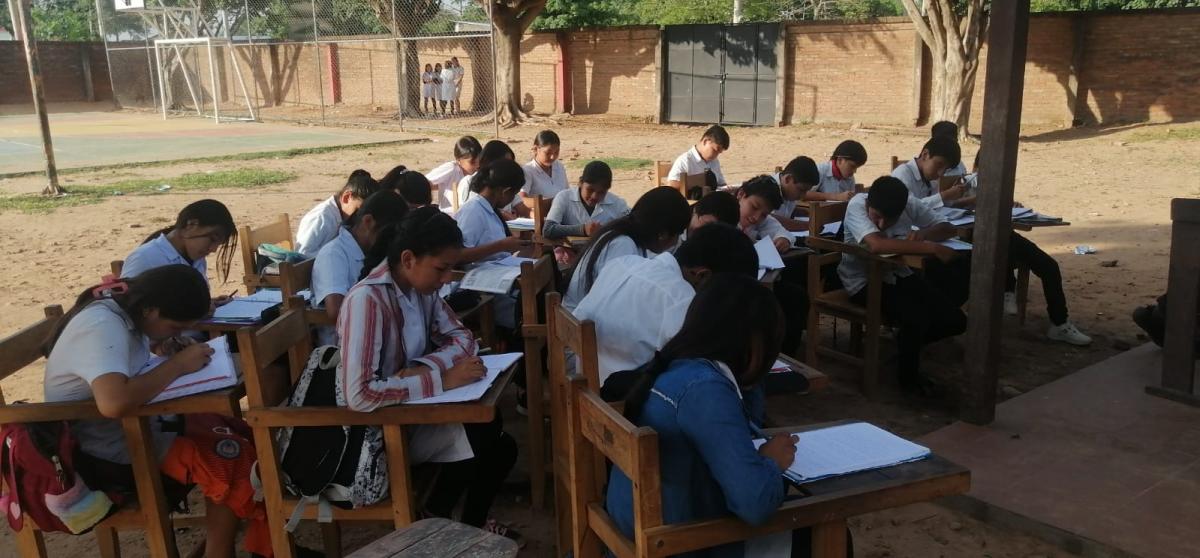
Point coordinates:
[[160, 534], [487, 326], [30, 543], [1022, 292], [106, 540], [395, 441], [829, 539]]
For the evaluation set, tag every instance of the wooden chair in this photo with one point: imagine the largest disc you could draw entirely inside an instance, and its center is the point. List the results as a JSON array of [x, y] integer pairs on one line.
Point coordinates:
[[568, 338], [540, 207], [536, 280], [150, 512], [116, 266], [297, 277], [865, 322], [279, 233], [896, 162], [661, 170]]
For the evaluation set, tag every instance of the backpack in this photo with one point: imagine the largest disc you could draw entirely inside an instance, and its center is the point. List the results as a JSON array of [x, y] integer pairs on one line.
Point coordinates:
[[37, 464], [330, 465]]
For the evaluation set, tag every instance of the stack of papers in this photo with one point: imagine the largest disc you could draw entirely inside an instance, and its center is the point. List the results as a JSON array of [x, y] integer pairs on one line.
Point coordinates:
[[521, 224], [242, 310], [219, 374], [780, 366], [473, 392], [848, 448], [1022, 212], [830, 229], [514, 260], [492, 277]]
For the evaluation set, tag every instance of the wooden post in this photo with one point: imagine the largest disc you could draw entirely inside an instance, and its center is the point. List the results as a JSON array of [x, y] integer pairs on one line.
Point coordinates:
[[1183, 291], [918, 83], [24, 22], [1077, 91], [1007, 44], [660, 75], [85, 64], [562, 69]]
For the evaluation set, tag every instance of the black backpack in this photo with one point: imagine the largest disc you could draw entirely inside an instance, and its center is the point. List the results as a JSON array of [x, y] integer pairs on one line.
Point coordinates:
[[343, 466]]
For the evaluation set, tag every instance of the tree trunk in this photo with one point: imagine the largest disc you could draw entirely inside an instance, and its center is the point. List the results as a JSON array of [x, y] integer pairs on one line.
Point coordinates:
[[953, 87], [954, 33], [408, 71], [508, 74], [483, 91]]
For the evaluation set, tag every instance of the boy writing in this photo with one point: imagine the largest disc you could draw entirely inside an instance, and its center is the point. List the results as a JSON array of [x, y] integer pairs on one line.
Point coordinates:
[[921, 174], [701, 159], [837, 174], [797, 179]]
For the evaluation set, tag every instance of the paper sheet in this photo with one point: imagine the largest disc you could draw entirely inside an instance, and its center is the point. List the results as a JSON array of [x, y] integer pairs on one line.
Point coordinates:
[[848, 448], [514, 260], [521, 224], [780, 366], [957, 244], [241, 310], [473, 392], [491, 277], [768, 256], [1021, 212], [963, 221], [273, 296], [219, 374]]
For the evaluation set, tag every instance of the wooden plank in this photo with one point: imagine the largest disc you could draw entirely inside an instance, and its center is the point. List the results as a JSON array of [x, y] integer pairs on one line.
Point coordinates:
[[107, 543], [437, 537], [817, 381], [1183, 290], [159, 533], [829, 539], [1007, 42], [395, 442], [25, 346], [30, 542]]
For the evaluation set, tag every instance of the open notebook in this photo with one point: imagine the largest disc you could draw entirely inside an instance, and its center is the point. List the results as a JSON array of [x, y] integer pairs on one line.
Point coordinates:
[[848, 448], [473, 392], [219, 374]]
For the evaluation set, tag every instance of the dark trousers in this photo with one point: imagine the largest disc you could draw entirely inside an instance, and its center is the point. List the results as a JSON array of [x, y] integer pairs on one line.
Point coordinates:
[[479, 477], [791, 292], [923, 314], [1023, 251]]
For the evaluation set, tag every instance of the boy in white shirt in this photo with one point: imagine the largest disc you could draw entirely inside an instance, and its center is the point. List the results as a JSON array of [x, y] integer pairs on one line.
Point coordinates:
[[798, 177], [837, 174], [882, 221], [545, 175], [321, 223], [638, 304], [757, 199], [922, 174], [701, 158]]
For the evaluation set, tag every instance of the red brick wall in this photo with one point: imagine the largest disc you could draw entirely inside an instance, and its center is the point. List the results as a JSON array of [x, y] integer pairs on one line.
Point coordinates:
[[613, 71], [62, 72], [1047, 70]]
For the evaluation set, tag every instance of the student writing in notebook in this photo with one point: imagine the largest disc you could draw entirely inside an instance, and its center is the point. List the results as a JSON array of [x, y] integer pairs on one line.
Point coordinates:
[[651, 227], [882, 221], [98, 352], [922, 174], [545, 175], [416, 190], [493, 151], [447, 175], [582, 211], [339, 264], [837, 174], [401, 342], [795, 180], [321, 223], [757, 199], [486, 236], [690, 393], [701, 159]]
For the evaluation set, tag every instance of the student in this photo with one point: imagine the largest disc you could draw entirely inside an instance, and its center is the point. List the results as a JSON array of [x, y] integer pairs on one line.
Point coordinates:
[[401, 342], [459, 72], [638, 304], [485, 233], [701, 158], [715, 207], [651, 227], [427, 89], [798, 177], [203, 227], [416, 190], [99, 350], [437, 90], [320, 224], [447, 175], [545, 175], [837, 174], [447, 86], [945, 128], [582, 211], [921, 174], [339, 264], [882, 221], [494, 150], [757, 199], [690, 393]]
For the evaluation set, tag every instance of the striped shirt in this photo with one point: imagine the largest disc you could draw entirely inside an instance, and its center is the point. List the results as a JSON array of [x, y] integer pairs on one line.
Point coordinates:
[[374, 316]]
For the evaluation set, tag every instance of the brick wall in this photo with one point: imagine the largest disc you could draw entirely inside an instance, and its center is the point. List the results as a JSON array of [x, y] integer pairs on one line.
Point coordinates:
[[62, 72], [613, 71]]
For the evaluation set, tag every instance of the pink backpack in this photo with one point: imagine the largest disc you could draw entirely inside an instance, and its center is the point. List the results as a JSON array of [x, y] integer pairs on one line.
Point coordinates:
[[37, 465]]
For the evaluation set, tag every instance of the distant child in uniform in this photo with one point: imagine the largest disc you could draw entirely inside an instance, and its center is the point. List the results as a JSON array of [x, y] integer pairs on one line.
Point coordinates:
[[545, 175], [797, 178], [437, 90], [447, 86], [320, 224], [702, 159], [447, 175], [837, 174], [427, 89], [582, 211]]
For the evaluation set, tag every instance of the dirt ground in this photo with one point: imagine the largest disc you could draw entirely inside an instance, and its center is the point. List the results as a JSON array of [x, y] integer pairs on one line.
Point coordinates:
[[1114, 185]]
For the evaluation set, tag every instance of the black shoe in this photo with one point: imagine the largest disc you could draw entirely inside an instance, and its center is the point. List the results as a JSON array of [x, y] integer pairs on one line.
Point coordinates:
[[1144, 318]]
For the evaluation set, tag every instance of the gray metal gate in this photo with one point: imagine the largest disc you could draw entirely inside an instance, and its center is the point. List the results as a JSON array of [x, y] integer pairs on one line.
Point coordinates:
[[721, 73]]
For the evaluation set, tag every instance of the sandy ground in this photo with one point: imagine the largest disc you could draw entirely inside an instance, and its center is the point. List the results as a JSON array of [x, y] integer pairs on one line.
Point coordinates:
[[1114, 185]]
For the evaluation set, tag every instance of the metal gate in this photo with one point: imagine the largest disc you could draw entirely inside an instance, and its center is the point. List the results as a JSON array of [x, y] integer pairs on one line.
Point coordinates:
[[721, 73]]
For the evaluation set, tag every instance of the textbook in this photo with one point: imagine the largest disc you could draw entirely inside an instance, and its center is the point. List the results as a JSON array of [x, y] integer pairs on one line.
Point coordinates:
[[521, 224], [473, 392], [491, 277], [848, 448], [219, 374]]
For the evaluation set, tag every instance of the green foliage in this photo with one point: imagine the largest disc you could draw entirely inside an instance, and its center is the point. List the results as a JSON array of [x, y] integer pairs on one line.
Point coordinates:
[[59, 20], [569, 14], [1100, 5], [616, 163], [87, 195]]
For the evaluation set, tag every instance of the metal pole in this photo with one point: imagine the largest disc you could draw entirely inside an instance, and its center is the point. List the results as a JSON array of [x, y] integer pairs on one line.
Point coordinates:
[[495, 92], [401, 72], [162, 91], [216, 91], [107, 57], [39, 101], [320, 69]]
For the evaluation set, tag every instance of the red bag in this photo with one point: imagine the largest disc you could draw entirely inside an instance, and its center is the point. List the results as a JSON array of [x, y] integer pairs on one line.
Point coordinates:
[[37, 464]]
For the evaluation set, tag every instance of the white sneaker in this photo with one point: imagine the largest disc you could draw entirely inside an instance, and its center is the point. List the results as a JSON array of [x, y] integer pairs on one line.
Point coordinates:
[[1068, 333], [1010, 304]]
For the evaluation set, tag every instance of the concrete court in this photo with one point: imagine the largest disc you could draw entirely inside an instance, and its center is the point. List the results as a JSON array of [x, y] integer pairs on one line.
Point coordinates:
[[84, 139], [1091, 455]]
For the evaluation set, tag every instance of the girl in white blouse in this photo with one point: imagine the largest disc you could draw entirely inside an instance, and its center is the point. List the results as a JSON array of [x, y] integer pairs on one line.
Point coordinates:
[[582, 211], [427, 89]]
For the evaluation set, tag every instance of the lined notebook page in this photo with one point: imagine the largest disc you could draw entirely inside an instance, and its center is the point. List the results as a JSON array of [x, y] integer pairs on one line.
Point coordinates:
[[848, 448], [219, 374], [473, 392]]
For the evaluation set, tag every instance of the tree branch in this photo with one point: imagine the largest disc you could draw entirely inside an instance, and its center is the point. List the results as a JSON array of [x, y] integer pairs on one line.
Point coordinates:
[[950, 24], [918, 19], [933, 14]]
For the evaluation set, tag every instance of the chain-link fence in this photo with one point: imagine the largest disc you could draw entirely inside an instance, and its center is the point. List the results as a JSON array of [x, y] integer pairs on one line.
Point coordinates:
[[380, 63]]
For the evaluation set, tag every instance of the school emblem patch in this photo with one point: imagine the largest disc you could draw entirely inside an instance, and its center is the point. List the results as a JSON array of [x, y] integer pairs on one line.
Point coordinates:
[[229, 449]]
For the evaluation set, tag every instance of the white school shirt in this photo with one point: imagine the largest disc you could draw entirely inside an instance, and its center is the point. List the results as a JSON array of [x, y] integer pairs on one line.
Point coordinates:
[[447, 84], [100, 340], [830, 184], [769, 227], [338, 265], [445, 178], [788, 208], [465, 194], [427, 84], [480, 224], [926, 191], [857, 225], [691, 163], [318, 226], [637, 304], [567, 209], [538, 183], [157, 253], [620, 247]]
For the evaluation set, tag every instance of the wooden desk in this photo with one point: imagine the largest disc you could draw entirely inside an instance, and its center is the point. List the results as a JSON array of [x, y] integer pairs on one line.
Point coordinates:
[[439, 537], [827, 504], [817, 381]]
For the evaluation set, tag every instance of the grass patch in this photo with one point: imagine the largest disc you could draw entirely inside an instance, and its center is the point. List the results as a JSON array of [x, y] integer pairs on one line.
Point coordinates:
[[620, 163], [1163, 133], [86, 195]]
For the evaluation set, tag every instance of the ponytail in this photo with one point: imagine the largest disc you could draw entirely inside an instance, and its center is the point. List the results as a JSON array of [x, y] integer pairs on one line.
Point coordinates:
[[424, 231]]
